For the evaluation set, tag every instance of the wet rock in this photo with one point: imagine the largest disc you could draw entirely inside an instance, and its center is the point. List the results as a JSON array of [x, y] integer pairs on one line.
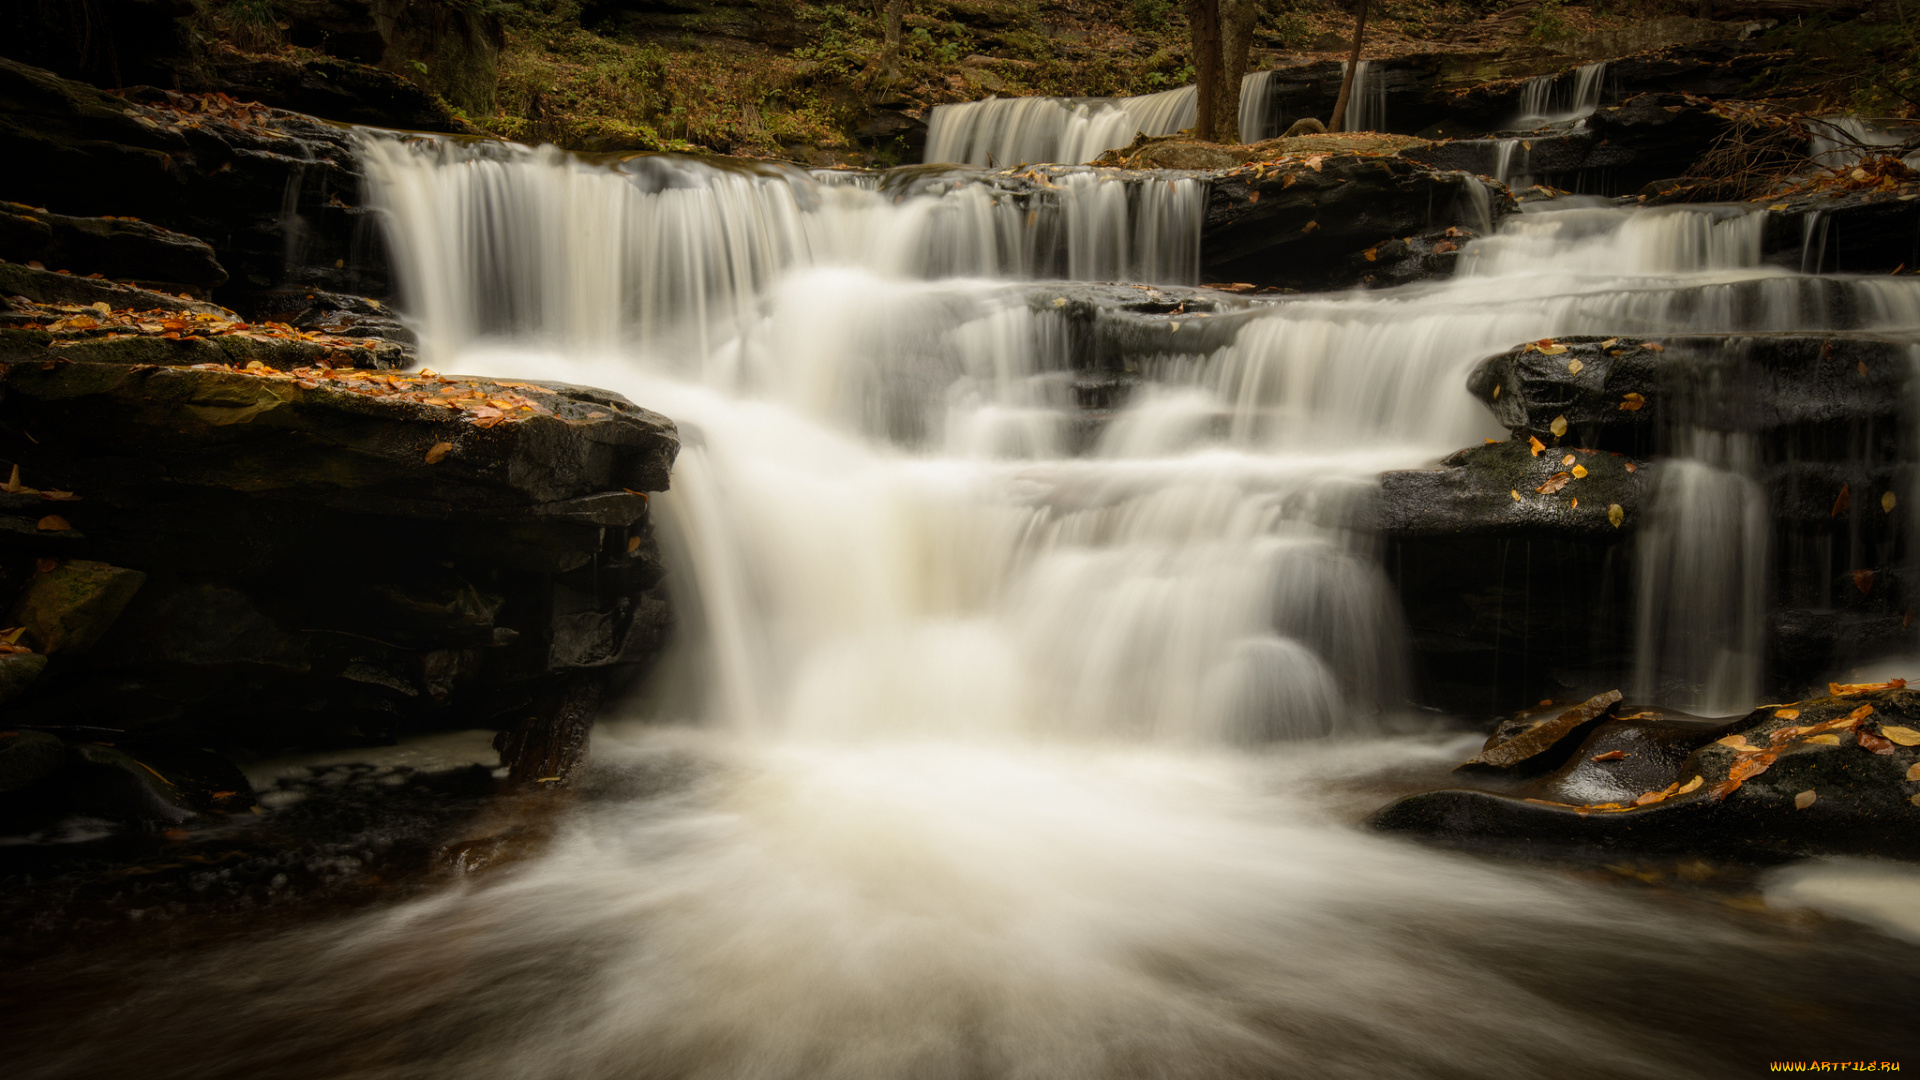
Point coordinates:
[[1308, 223], [70, 607], [49, 288], [130, 251], [28, 758], [17, 670], [275, 194], [1797, 385], [333, 89], [1844, 232], [1507, 489], [1513, 598], [1820, 777]]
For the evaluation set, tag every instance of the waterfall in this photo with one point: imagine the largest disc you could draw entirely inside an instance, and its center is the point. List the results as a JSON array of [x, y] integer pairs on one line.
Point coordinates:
[[1024, 695], [1701, 579], [1367, 101], [1558, 99], [1016, 131]]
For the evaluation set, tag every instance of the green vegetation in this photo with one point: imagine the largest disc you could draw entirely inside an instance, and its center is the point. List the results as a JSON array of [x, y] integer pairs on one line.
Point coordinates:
[[1870, 68]]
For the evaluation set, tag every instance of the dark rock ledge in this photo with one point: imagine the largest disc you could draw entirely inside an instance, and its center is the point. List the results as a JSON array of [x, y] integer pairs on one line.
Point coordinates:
[[1839, 774], [222, 540]]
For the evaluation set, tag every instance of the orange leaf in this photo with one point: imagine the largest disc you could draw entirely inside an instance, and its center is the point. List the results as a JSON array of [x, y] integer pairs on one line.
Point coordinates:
[[1863, 580], [438, 452], [1554, 483], [54, 523], [1611, 755], [1745, 768], [1850, 689], [1536, 444], [1804, 799], [1872, 743], [1844, 500]]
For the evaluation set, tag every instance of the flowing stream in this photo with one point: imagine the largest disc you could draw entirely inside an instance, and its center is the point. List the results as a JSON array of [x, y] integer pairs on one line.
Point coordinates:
[[1008, 738]]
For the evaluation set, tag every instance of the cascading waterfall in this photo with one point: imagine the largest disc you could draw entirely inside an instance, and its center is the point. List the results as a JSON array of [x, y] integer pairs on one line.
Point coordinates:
[[1015, 131], [1559, 99], [948, 775], [1367, 101]]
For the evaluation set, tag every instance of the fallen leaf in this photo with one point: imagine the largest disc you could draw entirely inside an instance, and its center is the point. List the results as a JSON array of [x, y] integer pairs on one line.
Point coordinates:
[[1554, 483], [1615, 515], [1609, 343], [1579, 472], [1553, 350], [1888, 501], [1568, 460], [1829, 739], [1611, 755], [46, 566], [1861, 367], [53, 523], [1632, 468], [1574, 366], [1691, 785], [1651, 797], [1804, 799], [1536, 444], [1496, 397], [1546, 734], [1844, 500], [1863, 580], [1872, 743], [1653, 346], [1915, 800], [1901, 734], [1445, 246], [1516, 495], [633, 544], [1849, 689], [1310, 226], [1738, 743], [1787, 714], [1745, 767], [1574, 504], [1913, 773], [1632, 403], [1559, 426], [438, 452]]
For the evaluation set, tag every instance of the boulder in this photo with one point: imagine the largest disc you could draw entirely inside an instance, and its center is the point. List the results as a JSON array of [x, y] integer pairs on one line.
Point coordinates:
[[1839, 774], [17, 670], [71, 606], [1320, 221]]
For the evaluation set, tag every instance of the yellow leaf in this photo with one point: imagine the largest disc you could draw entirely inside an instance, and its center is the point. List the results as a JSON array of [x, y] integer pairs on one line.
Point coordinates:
[[1787, 714], [13, 485], [1905, 736], [1496, 393], [1610, 343], [1568, 460], [1516, 495], [1691, 785], [1553, 350], [438, 452], [12, 637], [54, 523], [1558, 427], [1829, 739], [1913, 773], [1804, 799], [1616, 515], [1888, 502], [633, 544], [1737, 743], [1915, 800], [1574, 366], [1579, 471], [1536, 444]]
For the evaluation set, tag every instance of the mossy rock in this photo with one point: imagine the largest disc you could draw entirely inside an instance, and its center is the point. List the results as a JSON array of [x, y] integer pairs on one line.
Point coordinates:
[[71, 607]]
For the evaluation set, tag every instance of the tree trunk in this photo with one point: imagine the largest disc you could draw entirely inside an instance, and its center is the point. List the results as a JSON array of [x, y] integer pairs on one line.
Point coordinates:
[[1203, 17], [896, 18], [1236, 42], [1338, 122]]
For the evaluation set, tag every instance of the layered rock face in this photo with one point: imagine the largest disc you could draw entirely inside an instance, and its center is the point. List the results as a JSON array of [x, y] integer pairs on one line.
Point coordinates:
[[225, 534]]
